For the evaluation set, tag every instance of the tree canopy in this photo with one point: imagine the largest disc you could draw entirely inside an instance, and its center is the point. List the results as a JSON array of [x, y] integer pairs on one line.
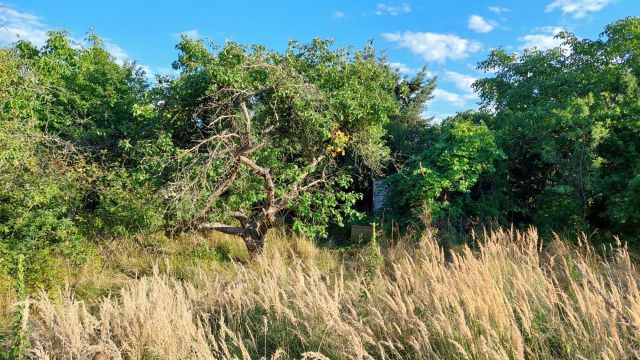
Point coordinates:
[[260, 133]]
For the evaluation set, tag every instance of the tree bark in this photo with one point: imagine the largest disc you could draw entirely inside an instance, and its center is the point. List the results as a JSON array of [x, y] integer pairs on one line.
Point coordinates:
[[252, 232]]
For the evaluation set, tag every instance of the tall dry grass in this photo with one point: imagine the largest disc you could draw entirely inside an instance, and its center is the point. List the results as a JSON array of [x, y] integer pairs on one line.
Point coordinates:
[[508, 298]]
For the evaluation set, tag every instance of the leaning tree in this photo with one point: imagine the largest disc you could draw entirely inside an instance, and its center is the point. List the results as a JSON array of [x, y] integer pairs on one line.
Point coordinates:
[[265, 137]]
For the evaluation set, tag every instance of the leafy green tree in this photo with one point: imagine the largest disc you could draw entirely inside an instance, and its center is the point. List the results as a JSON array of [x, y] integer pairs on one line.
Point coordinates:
[[262, 134], [441, 178], [93, 105], [616, 200], [39, 192], [90, 96], [546, 142], [408, 132], [564, 117]]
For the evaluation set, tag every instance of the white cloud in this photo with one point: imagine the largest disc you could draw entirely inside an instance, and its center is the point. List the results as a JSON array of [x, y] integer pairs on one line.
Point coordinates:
[[478, 24], [403, 69], [382, 9], [447, 100], [578, 8], [120, 54], [438, 117], [542, 40], [15, 25], [462, 82], [191, 34], [338, 15], [498, 9], [433, 46], [444, 96]]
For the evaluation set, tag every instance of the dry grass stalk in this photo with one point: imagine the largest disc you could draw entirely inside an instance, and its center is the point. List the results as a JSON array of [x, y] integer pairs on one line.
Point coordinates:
[[508, 299]]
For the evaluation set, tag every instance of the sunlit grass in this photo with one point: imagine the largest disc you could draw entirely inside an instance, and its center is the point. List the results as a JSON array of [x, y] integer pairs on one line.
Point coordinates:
[[508, 298]]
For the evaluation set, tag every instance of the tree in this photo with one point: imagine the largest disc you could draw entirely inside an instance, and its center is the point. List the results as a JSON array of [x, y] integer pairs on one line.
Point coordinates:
[[90, 96], [616, 198], [443, 175], [264, 136], [542, 137], [82, 108], [39, 190], [407, 132], [564, 118]]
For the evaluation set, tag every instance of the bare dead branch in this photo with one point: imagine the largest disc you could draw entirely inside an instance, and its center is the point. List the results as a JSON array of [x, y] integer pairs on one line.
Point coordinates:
[[228, 181], [223, 228], [219, 137], [238, 215], [247, 118], [222, 188]]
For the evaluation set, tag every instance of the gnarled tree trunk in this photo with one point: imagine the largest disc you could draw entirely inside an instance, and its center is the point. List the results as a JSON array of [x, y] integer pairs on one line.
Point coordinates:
[[254, 224]]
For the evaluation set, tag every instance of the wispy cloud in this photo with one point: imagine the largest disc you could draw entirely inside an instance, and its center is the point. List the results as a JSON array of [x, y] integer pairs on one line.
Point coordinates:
[[461, 99], [478, 24], [444, 96], [433, 46], [16, 25], [120, 54], [403, 69], [338, 15], [463, 82], [578, 8], [498, 9], [542, 38], [191, 34], [384, 9]]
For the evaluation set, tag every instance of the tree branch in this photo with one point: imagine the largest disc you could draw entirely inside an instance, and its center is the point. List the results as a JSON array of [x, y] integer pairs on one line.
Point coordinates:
[[224, 186], [226, 183], [238, 216], [223, 228], [269, 187], [247, 119]]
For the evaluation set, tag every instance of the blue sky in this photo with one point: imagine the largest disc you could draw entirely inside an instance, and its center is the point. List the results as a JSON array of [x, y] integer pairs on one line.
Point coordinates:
[[450, 37]]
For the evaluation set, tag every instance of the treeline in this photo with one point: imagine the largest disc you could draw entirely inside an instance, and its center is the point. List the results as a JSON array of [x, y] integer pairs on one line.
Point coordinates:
[[245, 139], [555, 144]]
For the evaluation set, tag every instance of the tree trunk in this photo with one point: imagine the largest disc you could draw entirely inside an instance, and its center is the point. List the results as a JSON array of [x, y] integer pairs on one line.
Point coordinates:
[[254, 242], [254, 237], [252, 232]]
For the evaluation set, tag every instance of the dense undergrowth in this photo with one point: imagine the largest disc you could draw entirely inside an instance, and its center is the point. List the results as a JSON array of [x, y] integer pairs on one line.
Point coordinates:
[[507, 296]]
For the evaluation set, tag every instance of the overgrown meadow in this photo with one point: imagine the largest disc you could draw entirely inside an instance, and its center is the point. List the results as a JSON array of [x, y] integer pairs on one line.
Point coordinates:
[[207, 214]]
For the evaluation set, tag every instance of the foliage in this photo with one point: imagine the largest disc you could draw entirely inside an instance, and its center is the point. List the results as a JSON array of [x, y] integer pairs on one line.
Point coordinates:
[[407, 132], [245, 139], [616, 203], [20, 341], [561, 116], [66, 111], [259, 133], [39, 191], [89, 96], [442, 177]]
